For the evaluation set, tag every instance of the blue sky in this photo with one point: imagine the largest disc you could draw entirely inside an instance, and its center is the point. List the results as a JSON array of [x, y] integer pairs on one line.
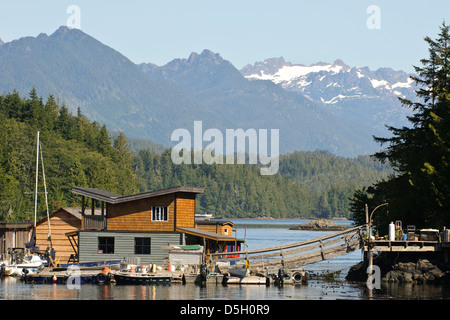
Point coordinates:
[[243, 31]]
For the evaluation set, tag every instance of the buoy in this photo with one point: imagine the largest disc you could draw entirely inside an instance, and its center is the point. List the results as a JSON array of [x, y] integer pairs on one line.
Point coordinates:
[[54, 278]]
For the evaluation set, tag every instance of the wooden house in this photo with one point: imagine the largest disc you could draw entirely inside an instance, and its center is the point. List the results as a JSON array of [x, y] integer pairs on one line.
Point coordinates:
[[14, 235], [53, 234], [139, 226]]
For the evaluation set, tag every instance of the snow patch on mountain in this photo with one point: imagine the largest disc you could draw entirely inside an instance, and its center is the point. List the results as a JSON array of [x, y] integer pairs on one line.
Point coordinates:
[[369, 97], [316, 80]]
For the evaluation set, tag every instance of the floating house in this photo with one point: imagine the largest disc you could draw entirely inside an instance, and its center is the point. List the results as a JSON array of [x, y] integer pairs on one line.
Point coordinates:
[[140, 226]]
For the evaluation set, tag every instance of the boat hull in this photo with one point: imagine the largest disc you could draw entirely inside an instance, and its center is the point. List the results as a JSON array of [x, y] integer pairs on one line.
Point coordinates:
[[97, 265], [239, 272], [141, 279]]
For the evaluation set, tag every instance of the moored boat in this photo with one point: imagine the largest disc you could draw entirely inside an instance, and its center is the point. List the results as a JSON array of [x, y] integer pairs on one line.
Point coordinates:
[[239, 272], [28, 264], [141, 278], [111, 264]]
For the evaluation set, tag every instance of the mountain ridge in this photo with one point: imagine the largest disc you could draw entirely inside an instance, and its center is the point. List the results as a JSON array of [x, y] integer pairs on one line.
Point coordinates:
[[370, 96], [141, 100], [215, 82]]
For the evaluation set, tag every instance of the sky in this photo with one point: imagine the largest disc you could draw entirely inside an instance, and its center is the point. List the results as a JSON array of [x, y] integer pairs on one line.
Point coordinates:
[[373, 33]]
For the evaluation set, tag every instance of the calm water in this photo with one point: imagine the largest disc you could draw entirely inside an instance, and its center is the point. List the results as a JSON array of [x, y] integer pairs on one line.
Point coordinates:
[[256, 237]]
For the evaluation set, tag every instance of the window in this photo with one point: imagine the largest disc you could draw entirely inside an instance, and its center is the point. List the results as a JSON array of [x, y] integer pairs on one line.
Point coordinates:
[[105, 244], [142, 245], [159, 214]]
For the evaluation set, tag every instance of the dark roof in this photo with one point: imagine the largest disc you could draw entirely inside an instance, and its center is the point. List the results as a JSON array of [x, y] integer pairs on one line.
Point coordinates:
[[206, 234], [213, 222], [15, 225], [114, 198]]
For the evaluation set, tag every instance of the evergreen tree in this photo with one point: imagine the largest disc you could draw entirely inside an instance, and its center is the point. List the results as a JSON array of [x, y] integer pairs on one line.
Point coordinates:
[[419, 191]]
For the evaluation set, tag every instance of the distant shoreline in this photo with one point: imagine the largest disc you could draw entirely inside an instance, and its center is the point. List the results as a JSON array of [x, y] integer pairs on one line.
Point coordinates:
[[270, 218]]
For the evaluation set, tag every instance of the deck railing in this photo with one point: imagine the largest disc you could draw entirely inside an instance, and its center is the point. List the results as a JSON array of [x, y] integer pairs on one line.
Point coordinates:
[[94, 222]]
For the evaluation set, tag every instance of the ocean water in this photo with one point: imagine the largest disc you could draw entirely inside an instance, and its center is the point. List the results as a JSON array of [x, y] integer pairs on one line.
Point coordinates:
[[257, 234]]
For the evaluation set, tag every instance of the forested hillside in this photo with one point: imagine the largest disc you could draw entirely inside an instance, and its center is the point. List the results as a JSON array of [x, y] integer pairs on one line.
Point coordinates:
[[78, 152], [309, 184]]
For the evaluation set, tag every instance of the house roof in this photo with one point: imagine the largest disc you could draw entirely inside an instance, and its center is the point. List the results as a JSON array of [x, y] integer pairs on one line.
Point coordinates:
[[75, 211], [206, 234], [15, 225], [114, 198], [213, 222]]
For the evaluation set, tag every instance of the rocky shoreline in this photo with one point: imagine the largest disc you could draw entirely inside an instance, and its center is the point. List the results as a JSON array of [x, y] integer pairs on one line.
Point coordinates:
[[319, 225], [410, 268]]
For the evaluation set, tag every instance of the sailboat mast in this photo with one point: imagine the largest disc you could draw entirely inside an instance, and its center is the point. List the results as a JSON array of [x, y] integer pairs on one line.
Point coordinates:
[[46, 197], [36, 186]]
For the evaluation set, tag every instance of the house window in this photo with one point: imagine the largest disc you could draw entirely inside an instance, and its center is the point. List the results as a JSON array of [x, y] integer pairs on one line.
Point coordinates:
[[225, 231], [105, 244], [159, 214], [142, 245]]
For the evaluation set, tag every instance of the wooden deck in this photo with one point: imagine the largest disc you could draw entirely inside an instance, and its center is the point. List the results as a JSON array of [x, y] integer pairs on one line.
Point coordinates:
[[403, 246]]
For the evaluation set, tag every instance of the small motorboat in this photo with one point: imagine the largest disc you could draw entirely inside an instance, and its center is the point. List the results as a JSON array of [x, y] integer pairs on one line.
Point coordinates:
[[95, 265], [240, 272], [141, 278], [29, 265]]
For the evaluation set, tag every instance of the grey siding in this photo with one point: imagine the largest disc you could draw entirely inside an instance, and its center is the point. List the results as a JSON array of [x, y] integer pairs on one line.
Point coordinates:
[[124, 246]]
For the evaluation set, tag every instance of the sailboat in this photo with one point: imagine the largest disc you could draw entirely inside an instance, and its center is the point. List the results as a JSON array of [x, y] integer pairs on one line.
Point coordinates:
[[19, 264]]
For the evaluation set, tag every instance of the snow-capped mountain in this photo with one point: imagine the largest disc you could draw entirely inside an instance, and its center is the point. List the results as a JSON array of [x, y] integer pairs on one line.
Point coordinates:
[[367, 96]]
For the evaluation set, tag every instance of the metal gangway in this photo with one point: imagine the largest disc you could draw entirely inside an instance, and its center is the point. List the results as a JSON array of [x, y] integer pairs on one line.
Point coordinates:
[[299, 253]]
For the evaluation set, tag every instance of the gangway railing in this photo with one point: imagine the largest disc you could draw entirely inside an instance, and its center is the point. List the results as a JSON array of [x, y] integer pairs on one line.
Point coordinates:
[[299, 253]]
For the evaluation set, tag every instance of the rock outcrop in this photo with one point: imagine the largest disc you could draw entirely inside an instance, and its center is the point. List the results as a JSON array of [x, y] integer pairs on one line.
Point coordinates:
[[416, 272], [319, 225]]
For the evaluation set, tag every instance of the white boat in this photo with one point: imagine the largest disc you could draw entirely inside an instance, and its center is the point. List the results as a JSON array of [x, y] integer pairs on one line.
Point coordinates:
[[29, 265], [203, 216]]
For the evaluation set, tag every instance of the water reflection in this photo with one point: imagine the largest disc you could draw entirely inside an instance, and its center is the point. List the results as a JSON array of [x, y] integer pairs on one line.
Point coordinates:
[[13, 289], [410, 291]]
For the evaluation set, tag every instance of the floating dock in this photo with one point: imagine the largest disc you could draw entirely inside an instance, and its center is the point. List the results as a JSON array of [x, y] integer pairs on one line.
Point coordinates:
[[51, 276]]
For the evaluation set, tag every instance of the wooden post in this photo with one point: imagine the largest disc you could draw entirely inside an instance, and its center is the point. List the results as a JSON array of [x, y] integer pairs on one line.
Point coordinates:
[[321, 250], [82, 212]]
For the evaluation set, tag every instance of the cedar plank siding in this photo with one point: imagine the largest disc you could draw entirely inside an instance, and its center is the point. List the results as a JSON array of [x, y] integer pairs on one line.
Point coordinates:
[[137, 215], [61, 222], [185, 210]]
